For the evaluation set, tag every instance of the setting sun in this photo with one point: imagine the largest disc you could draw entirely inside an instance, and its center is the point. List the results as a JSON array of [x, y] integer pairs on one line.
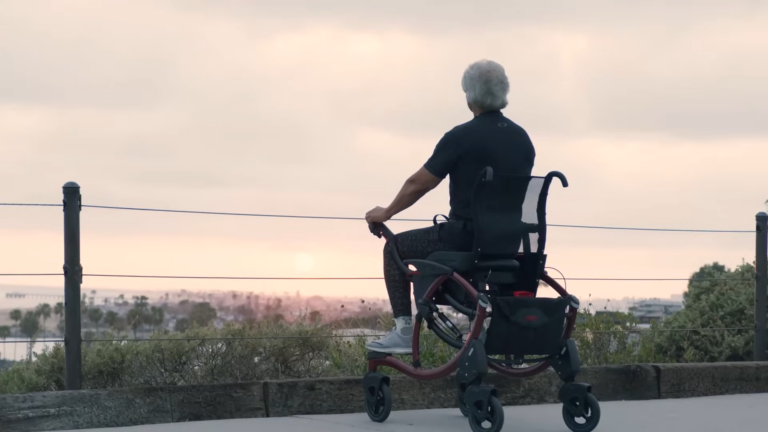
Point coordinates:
[[304, 262]]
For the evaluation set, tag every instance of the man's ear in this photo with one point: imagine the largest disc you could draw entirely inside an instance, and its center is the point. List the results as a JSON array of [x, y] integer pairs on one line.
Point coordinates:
[[473, 109]]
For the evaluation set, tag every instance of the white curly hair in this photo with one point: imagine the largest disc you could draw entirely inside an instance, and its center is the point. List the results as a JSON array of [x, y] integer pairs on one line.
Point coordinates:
[[486, 85]]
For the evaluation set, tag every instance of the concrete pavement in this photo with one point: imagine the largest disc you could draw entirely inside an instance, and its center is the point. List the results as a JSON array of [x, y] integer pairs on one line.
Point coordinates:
[[745, 413]]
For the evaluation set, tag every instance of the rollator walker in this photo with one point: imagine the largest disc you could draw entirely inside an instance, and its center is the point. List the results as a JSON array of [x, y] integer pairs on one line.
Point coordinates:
[[497, 281]]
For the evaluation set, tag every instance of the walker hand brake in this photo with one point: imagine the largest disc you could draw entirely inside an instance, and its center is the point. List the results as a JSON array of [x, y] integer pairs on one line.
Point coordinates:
[[372, 227], [380, 230]]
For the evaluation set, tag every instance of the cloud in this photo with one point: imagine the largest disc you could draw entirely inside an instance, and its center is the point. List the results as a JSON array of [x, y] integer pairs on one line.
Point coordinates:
[[599, 67], [444, 18], [653, 111]]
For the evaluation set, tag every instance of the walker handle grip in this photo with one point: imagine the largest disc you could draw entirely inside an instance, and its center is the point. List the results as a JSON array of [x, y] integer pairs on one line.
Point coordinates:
[[380, 230]]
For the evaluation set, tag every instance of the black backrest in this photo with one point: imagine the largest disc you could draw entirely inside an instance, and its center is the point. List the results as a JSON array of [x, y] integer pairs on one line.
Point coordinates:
[[509, 214], [497, 214]]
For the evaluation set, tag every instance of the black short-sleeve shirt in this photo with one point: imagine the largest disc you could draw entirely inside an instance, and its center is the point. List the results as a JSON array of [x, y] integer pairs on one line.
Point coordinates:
[[489, 139]]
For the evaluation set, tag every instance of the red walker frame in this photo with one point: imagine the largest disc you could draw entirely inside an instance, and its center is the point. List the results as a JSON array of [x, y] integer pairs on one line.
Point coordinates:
[[443, 371], [474, 399]]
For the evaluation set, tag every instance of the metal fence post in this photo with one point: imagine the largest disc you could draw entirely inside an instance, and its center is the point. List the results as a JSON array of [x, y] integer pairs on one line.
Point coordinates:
[[73, 275], [761, 288]]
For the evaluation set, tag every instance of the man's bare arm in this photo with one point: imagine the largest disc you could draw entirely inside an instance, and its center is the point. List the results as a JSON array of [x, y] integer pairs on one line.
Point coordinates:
[[414, 188]]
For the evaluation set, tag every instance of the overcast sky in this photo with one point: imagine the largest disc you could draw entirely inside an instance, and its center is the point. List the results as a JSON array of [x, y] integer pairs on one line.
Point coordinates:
[[656, 112]]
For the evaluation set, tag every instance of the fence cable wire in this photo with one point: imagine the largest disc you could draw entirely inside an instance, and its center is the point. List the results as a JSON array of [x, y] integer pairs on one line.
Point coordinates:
[[102, 275], [396, 219], [635, 330], [265, 215], [29, 205]]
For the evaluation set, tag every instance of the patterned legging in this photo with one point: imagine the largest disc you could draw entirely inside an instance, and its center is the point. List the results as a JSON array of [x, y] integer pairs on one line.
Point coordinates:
[[414, 244]]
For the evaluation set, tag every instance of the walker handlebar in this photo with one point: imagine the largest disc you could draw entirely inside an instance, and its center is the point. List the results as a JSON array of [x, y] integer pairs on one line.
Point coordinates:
[[380, 230]]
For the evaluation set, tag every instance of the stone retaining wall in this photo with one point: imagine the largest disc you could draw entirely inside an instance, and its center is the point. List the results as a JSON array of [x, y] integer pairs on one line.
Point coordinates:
[[134, 406]]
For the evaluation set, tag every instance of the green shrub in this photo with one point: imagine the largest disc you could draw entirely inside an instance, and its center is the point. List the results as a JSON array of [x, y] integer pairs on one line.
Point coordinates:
[[615, 339], [274, 349], [269, 350], [717, 298]]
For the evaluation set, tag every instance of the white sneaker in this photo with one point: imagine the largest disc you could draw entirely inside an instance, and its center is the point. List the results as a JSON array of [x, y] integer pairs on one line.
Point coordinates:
[[396, 342]]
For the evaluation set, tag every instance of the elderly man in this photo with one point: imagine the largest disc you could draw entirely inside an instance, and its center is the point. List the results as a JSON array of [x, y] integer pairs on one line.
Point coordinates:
[[489, 139]]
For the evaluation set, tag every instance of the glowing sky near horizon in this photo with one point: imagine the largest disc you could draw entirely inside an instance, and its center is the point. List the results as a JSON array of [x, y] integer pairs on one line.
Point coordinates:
[[655, 112]]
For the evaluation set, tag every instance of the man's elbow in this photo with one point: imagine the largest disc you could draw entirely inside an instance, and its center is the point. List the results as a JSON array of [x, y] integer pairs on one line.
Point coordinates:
[[422, 181], [420, 186]]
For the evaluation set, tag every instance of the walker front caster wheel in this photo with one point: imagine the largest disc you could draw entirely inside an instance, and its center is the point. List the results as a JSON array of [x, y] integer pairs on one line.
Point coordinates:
[[460, 396], [462, 404], [580, 418], [489, 420], [378, 401]]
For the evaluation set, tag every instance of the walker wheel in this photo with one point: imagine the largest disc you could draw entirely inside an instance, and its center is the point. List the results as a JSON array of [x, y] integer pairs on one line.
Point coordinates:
[[378, 406], [460, 397], [589, 414], [462, 404], [490, 421]]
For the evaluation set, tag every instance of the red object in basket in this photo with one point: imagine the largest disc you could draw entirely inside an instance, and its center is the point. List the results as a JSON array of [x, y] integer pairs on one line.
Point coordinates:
[[523, 294]]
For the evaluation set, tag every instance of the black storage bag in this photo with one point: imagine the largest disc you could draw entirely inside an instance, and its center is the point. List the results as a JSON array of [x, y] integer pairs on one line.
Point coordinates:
[[526, 326]]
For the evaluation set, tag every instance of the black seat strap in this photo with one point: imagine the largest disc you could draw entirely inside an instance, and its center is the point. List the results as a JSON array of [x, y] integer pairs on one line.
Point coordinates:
[[434, 219]]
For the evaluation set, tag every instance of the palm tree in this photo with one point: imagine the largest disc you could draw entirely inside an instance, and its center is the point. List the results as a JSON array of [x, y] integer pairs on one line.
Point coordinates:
[[156, 317], [16, 317], [95, 315], [5, 332], [135, 318], [111, 318], [30, 325], [140, 302], [44, 311], [58, 310]]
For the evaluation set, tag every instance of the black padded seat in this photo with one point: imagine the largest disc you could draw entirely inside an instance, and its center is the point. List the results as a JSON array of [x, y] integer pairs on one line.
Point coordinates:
[[505, 265], [462, 262]]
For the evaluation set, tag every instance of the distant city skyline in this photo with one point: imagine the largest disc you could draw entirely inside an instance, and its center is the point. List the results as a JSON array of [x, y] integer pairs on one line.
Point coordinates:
[[598, 303]]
